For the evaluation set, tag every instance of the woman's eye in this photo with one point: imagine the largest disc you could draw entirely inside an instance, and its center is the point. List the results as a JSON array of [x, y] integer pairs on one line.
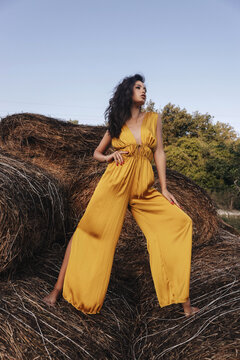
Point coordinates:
[[138, 87]]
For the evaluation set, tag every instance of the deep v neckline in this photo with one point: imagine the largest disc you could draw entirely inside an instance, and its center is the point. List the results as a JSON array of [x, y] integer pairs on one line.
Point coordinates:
[[140, 130]]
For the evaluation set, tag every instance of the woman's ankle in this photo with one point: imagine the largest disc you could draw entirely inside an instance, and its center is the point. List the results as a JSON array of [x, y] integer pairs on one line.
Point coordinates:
[[186, 303]]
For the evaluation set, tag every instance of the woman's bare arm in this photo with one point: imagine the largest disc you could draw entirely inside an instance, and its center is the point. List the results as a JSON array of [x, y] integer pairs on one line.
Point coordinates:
[[160, 156], [160, 161], [102, 147]]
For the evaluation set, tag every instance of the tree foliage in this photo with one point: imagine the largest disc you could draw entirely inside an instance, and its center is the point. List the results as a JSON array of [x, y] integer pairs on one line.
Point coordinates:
[[207, 153]]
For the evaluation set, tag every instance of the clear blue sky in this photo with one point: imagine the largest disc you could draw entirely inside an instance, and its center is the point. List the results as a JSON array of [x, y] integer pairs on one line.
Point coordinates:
[[63, 57]]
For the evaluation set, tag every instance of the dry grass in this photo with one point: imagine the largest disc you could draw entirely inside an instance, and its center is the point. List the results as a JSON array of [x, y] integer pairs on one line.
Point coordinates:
[[32, 211], [44, 169], [131, 324]]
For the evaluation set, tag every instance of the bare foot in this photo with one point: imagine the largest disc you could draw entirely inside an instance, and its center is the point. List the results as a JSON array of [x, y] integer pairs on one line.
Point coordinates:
[[52, 297], [188, 309]]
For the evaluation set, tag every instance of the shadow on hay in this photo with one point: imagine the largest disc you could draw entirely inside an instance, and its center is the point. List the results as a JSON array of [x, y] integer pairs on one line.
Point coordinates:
[[33, 211]]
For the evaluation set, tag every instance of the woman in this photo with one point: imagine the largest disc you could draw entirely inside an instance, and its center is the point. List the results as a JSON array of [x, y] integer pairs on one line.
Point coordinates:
[[128, 182]]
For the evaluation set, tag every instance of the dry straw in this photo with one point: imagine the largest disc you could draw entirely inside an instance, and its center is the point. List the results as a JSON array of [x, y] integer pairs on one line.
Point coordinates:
[[31, 211], [47, 178]]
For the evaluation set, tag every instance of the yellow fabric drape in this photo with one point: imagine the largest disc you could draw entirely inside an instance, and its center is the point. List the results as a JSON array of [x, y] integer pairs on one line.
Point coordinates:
[[167, 228]]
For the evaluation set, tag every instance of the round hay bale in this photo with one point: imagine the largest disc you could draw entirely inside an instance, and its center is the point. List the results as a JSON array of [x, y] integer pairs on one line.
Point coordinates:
[[131, 323], [56, 145], [195, 201], [65, 150], [33, 330], [165, 333], [33, 211]]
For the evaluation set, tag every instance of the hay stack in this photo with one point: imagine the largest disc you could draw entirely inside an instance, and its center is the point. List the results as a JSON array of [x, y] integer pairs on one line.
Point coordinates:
[[197, 204], [214, 288], [131, 324], [194, 200], [58, 146], [65, 150], [33, 330], [33, 211]]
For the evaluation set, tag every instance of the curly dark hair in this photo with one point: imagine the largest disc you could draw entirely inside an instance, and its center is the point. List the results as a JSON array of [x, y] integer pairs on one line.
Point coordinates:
[[119, 109]]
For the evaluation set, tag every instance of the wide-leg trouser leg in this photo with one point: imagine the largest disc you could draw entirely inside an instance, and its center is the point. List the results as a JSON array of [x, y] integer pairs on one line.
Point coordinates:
[[168, 231], [93, 246]]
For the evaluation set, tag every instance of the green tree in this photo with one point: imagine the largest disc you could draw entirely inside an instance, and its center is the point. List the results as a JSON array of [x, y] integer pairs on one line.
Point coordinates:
[[206, 152], [73, 121]]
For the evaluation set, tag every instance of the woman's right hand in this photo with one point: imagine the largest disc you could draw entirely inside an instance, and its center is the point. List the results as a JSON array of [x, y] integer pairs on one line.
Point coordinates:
[[116, 156]]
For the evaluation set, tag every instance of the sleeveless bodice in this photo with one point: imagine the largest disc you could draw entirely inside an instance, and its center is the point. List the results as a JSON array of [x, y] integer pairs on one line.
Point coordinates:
[[127, 141]]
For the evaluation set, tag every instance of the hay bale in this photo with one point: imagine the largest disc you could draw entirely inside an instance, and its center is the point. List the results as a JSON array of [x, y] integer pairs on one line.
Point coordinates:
[[53, 144], [131, 324], [214, 332], [33, 211], [65, 150], [33, 330], [196, 203], [194, 200]]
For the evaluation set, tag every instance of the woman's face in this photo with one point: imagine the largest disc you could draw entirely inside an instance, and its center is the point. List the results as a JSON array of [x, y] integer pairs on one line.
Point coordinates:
[[139, 93]]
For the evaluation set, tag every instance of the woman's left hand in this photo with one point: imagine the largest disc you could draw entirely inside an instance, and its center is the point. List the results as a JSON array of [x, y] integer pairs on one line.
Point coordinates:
[[170, 197]]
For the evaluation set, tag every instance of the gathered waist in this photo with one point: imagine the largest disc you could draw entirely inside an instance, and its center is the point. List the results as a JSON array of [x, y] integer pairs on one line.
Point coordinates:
[[137, 151]]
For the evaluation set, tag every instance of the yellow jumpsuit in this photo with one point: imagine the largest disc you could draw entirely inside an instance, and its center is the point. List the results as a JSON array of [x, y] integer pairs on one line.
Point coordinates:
[[167, 228]]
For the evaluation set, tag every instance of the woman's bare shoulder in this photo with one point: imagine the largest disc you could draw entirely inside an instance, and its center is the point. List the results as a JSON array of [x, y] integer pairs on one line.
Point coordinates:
[[105, 142]]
